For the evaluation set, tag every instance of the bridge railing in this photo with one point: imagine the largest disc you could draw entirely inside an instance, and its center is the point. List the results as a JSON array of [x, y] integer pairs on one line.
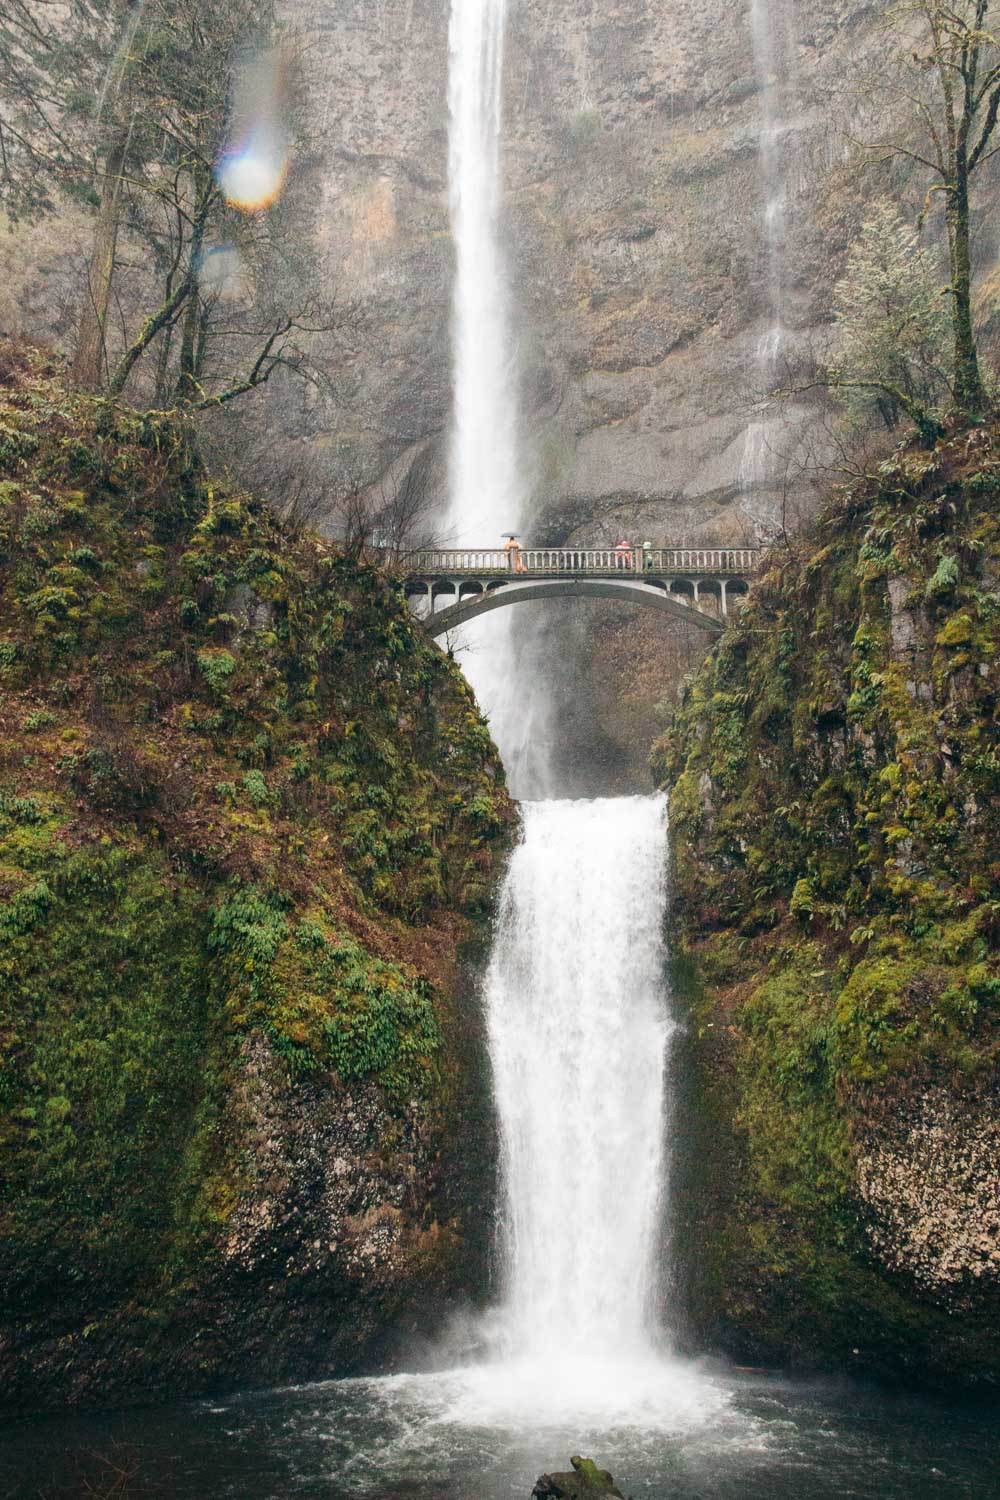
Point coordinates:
[[695, 561]]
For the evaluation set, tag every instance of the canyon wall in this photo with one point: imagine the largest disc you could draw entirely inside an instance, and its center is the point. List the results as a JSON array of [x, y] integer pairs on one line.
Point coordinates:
[[249, 825], [834, 828]]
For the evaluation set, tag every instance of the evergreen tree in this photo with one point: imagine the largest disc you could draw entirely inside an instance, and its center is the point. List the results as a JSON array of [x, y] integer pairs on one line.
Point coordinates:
[[892, 319]]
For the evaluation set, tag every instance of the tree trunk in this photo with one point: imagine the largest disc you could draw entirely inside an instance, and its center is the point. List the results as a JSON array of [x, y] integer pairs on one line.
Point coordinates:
[[187, 378], [161, 319], [187, 388], [90, 357], [967, 385]]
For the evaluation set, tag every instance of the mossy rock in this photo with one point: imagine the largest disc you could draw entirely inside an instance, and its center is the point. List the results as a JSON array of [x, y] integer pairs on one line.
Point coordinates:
[[585, 1481], [232, 899], [834, 824]]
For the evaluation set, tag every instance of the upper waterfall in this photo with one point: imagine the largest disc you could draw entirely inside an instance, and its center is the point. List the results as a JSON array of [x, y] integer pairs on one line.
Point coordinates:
[[486, 487]]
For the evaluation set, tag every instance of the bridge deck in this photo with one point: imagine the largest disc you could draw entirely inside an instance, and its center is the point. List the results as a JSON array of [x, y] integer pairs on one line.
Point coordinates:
[[574, 562], [692, 583]]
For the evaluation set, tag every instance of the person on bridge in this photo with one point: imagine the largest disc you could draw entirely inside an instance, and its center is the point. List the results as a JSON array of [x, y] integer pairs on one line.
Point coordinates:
[[512, 547], [647, 556], [623, 555]]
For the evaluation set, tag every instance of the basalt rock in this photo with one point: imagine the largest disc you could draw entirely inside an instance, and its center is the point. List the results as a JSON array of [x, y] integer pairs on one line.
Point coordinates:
[[244, 1122], [835, 821], [585, 1481]]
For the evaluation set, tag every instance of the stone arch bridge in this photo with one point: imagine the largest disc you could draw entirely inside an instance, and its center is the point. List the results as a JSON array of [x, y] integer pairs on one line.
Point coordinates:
[[697, 584]]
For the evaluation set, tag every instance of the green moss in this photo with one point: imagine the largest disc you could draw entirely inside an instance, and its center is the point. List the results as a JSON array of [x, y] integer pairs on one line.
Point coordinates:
[[835, 826], [214, 841]]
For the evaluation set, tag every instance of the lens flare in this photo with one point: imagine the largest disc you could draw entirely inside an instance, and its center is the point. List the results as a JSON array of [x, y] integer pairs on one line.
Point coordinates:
[[221, 274], [252, 168]]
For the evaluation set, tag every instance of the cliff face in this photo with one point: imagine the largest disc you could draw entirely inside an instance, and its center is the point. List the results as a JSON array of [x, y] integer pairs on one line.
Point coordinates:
[[635, 227], [637, 243], [835, 822], [248, 818]]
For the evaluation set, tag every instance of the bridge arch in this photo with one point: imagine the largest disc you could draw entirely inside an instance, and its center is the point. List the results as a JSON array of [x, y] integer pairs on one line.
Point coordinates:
[[649, 595]]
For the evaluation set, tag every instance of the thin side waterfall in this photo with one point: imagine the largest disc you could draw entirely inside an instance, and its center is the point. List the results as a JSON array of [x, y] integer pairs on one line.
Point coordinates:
[[486, 487], [760, 458], [578, 1037]]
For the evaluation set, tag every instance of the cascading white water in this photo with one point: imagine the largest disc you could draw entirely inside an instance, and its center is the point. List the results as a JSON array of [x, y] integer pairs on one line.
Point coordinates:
[[577, 1023], [578, 1034], [761, 454], [579, 1028], [486, 488], [486, 491], [574, 995]]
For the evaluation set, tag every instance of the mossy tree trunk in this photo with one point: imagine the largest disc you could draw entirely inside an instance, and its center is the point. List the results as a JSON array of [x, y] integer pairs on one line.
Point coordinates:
[[967, 381], [90, 357]]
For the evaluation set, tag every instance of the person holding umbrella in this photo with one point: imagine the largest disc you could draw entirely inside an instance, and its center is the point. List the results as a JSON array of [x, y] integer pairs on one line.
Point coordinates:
[[512, 547]]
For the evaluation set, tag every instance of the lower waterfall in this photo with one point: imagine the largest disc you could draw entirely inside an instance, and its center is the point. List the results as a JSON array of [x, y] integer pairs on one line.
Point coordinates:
[[579, 1028], [578, 1035]]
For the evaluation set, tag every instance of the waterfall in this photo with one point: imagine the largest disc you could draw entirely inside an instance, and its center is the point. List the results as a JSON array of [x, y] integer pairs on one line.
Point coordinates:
[[486, 487], [578, 1034], [574, 992], [579, 1030], [771, 52]]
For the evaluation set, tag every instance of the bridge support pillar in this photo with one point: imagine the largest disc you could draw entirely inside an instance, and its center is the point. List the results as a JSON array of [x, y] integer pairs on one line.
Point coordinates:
[[723, 598]]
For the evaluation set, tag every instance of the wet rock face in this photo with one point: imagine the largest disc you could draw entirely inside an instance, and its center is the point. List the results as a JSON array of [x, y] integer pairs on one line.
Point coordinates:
[[929, 1177], [633, 227], [340, 1243]]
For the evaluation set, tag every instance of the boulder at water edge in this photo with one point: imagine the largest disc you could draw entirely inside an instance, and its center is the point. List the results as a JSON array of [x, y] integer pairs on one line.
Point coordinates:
[[586, 1482]]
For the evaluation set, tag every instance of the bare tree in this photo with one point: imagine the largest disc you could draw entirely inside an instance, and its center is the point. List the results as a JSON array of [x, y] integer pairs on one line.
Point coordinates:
[[135, 109], [945, 72]]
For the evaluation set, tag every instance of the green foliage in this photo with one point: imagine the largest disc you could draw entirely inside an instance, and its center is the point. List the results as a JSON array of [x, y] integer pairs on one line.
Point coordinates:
[[102, 1014], [323, 999], [217, 667], [206, 854], [891, 318], [803, 900], [835, 826], [944, 579], [257, 789], [39, 718]]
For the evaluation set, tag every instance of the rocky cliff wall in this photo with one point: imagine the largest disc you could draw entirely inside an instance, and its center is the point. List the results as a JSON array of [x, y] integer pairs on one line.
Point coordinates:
[[634, 228], [834, 814], [248, 821], [646, 277]]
